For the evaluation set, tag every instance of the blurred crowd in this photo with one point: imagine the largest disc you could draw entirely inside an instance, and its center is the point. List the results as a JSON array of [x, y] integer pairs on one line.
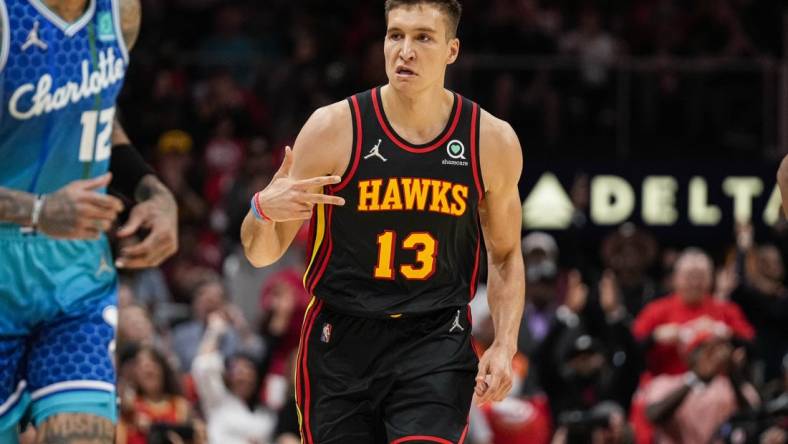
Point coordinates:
[[626, 340], [615, 78]]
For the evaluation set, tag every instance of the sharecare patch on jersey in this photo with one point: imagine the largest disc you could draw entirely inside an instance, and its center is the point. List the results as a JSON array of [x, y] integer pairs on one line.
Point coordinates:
[[412, 194], [42, 100]]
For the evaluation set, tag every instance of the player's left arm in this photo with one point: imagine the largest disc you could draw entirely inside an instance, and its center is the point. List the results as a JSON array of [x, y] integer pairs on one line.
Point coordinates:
[[156, 210], [500, 215]]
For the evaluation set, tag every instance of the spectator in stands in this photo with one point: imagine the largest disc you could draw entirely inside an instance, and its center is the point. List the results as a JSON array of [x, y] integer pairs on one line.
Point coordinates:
[[209, 297], [629, 252], [541, 255], [583, 371], [287, 422], [763, 298], [690, 407], [135, 326], [229, 391], [255, 173], [283, 304], [595, 46], [767, 424], [152, 406], [175, 161], [690, 309]]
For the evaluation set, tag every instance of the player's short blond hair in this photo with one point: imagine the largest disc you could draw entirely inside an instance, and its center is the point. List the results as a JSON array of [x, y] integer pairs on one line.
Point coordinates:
[[452, 9]]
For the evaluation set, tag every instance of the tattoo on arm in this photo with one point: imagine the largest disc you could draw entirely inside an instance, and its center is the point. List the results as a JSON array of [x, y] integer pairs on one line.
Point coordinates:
[[59, 214], [149, 187], [130, 19], [76, 429], [16, 206]]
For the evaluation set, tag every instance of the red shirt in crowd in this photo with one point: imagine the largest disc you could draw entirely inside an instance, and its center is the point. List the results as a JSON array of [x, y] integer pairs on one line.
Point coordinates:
[[519, 421], [708, 314]]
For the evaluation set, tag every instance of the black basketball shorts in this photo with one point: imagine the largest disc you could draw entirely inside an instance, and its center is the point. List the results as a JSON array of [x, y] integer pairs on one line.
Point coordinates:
[[385, 381]]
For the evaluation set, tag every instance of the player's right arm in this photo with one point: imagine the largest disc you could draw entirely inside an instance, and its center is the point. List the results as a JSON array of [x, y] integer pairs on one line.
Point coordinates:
[[76, 211], [16, 206], [319, 157]]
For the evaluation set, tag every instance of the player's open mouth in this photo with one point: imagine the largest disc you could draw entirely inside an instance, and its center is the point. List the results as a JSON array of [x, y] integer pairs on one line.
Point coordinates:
[[405, 72]]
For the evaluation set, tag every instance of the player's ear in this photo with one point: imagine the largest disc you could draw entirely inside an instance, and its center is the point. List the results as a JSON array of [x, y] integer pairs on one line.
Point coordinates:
[[454, 50]]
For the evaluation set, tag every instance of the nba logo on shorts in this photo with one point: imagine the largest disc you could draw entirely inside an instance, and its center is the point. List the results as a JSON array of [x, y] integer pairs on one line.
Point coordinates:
[[326, 336]]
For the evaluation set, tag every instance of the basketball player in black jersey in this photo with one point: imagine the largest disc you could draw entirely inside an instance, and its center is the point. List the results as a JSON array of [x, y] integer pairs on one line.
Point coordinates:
[[400, 182]]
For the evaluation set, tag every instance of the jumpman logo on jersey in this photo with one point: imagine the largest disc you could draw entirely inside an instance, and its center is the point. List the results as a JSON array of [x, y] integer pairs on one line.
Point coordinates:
[[375, 152], [34, 40], [103, 267], [456, 323]]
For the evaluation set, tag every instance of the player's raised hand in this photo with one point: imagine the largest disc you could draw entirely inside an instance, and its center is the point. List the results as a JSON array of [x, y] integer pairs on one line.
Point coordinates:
[[494, 379], [79, 210], [287, 199]]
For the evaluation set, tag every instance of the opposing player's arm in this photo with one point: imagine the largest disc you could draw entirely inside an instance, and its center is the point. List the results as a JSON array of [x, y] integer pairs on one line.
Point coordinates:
[[16, 206], [76, 211], [319, 157], [130, 20], [500, 215], [156, 209]]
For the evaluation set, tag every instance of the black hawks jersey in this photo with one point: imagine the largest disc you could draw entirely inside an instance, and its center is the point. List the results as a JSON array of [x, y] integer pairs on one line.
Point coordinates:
[[408, 238]]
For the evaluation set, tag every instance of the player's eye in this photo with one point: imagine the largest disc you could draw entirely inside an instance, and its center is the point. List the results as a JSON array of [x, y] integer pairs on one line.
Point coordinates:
[[424, 38], [395, 36]]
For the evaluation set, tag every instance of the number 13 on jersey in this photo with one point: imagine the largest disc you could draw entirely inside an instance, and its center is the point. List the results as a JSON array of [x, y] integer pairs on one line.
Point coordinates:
[[426, 247]]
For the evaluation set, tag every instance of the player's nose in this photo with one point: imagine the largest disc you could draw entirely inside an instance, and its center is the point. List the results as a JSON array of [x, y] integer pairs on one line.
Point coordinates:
[[406, 51]]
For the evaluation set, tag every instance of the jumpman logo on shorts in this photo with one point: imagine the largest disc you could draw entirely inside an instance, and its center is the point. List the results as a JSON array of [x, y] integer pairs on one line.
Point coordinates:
[[103, 267], [34, 40], [456, 323], [375, 152]]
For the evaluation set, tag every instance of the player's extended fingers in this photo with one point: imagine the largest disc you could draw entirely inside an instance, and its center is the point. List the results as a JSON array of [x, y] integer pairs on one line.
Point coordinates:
[[314, 198], [94, 183], [88, 212], [105, 201], [100, 225], [316, 182]]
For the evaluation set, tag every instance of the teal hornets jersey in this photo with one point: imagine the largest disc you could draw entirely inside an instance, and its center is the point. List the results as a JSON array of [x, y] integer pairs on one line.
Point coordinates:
[[58, 83], [58, 86]]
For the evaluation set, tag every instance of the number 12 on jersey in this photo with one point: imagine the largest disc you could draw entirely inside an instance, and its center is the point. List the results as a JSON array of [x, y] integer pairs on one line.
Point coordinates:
[[92, 148], [426, 247]]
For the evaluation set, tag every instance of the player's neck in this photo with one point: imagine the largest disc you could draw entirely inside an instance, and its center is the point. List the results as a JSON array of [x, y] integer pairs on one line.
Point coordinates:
[[68, 10], [422, 115]]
